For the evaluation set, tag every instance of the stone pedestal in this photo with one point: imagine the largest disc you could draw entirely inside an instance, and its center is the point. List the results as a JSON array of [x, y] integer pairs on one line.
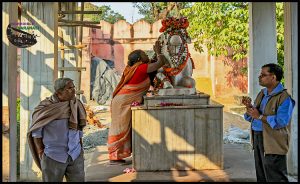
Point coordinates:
[[194, 99], [179, 132], [177, 91]]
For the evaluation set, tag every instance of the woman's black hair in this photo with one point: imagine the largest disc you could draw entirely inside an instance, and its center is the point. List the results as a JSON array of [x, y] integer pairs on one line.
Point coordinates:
[[134, 57]]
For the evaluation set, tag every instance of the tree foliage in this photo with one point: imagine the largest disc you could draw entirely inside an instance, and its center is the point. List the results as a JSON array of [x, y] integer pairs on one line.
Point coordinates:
[[107, 14], [280, 34], [154, 11], [223, 28]]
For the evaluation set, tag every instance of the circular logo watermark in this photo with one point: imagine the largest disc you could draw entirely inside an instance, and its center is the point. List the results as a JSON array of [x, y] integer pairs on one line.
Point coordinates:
[[22, 34]]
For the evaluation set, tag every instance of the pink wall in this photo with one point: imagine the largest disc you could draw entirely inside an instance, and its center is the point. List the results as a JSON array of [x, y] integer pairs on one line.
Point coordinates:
[[116, 41]]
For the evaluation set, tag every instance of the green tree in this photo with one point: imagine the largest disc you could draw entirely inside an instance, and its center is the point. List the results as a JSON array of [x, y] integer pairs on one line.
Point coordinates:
[[107, 14], [154, 11], [280, 34], [223, 28]]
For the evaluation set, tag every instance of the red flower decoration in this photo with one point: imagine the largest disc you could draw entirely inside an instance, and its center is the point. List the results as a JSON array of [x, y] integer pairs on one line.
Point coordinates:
[[172, 23]]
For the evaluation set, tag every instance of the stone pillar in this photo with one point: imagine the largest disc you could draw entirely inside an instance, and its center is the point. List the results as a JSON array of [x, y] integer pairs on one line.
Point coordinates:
[[291, 76], [262, 30], [9, 95], [36, 76]]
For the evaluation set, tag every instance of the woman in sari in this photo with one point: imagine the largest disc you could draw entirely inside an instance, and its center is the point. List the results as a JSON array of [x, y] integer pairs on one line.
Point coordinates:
[[133, 85]]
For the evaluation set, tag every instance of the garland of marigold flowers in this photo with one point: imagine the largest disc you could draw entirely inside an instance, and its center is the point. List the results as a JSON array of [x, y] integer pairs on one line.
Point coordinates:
[[172, 23]]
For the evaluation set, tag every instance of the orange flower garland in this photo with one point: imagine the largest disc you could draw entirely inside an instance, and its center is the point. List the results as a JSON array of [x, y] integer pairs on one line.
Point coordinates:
[[172, 23]]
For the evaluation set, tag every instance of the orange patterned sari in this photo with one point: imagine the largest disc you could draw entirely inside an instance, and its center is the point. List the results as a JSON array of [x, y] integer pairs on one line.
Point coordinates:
[[119, 135]]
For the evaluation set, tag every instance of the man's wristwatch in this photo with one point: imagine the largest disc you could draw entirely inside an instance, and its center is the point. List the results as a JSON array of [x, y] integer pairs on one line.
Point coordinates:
[[260, 117]]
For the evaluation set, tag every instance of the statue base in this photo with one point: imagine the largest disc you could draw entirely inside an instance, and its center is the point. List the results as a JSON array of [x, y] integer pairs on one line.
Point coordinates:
[[176, 91], [187, 100], [189, 123]]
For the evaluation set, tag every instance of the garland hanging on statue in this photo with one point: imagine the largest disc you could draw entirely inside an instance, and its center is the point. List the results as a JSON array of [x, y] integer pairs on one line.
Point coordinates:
[[176, 26]]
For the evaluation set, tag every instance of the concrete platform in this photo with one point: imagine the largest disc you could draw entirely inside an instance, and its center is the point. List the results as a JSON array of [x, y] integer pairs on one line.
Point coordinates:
[[238, 166]]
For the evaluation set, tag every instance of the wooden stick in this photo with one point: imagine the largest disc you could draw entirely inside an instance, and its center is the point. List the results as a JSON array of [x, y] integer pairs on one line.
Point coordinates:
[[55, 41], [62, 47], [80, 12], [78, 22], [72, 68], [84, 25], [62, 52], [79, 62]]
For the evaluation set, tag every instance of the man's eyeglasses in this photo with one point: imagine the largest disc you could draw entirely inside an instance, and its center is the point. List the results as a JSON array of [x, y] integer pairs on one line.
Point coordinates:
[[264, 75]]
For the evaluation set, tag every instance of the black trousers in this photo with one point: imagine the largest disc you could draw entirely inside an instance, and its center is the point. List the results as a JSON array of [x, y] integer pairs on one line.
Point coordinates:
[[269, 167]]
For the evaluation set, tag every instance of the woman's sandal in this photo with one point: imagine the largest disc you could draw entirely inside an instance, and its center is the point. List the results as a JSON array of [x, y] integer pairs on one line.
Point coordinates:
[[117, 162]]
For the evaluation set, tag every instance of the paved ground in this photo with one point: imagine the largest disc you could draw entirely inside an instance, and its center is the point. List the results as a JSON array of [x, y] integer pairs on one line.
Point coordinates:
[[238, 166]]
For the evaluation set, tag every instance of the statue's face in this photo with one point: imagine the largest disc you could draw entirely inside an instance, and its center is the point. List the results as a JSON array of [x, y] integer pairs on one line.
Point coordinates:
[[174, 47], [175, 42]]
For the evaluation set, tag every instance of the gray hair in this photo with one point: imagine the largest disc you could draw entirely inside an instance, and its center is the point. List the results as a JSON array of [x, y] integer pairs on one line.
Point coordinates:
[[60, 83]]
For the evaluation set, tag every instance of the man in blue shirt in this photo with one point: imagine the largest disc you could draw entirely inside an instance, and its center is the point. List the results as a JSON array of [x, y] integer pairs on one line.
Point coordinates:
[[55, 136], [270, 117]]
